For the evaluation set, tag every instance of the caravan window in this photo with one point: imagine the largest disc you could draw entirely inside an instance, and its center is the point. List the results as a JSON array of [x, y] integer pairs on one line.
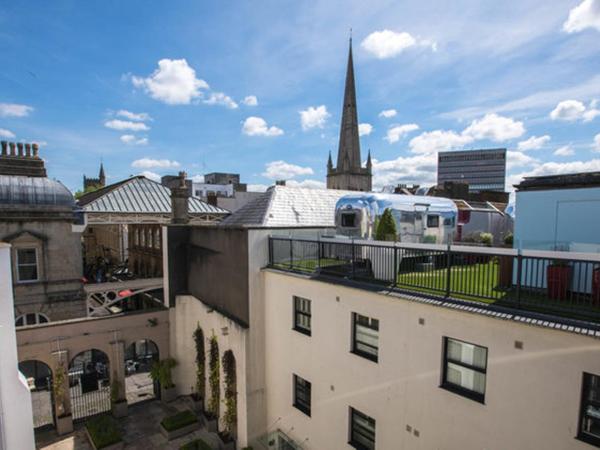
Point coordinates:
[[433, 221], [449, 222], [348, 220]]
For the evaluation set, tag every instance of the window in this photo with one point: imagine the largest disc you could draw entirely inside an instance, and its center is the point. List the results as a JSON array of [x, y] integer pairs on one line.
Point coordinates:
[[302, 315], [302, 394], [31, 319], [348, 220], [362, 431], [589, 420], [433, 221], [464, 369], [27, 269], [365, 336]]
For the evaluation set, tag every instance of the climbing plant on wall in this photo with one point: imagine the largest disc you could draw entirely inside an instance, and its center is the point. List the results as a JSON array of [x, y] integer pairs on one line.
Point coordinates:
[[200, 363], [214, 377], [230, 416]]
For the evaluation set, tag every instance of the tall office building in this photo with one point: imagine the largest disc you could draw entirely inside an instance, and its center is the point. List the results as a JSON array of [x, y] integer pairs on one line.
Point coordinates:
[[483, 170]]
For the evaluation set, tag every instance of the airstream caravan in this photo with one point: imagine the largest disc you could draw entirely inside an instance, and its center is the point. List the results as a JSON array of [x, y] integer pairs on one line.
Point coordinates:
[[418, 218]]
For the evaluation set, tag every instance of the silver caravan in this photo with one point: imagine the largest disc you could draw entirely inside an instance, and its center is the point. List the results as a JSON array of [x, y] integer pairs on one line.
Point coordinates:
[[418, 218]]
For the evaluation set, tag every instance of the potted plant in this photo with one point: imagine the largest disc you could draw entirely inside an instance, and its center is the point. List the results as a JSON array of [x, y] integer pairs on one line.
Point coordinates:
[[179, 424], [103, 433], [212, 410], [64, 419], [161, 373], [200, 388], [117, 400], [558, 277], [230, 414]]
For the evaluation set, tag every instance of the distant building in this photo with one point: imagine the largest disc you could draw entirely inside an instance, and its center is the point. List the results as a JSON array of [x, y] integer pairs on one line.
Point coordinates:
[[95, 183], [36, 218], [349, 173], [483, 170]]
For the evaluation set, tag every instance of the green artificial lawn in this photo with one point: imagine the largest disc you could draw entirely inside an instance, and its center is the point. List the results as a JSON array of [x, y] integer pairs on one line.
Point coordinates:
[[179, 420], [196, 444], [104, 431]]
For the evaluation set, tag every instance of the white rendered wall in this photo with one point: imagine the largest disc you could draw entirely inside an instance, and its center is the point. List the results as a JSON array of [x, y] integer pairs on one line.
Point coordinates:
[[532, 396], [16, 417]]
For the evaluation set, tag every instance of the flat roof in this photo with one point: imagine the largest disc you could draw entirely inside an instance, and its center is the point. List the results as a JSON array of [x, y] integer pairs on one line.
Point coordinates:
[[564, 181]]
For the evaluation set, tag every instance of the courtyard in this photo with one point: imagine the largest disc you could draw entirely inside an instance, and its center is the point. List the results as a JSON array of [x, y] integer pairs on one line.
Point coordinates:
[[140, 430]]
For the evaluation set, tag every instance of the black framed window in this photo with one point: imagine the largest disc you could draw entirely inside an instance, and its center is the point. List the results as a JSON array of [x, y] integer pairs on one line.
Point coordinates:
[[302, 390], [27, 268], [302, 315], [589, 420], [362, 430], [365, 336], [465, 367], [433, 221]]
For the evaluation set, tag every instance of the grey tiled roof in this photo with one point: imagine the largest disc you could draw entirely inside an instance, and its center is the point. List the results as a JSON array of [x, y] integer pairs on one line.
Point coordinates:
[[140, 195], [33, 191], [285, 206]]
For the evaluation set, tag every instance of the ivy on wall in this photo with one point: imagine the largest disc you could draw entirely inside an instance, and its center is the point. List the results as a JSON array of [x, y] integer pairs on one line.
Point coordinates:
[[200, 363], [214, 377], [230, 416]]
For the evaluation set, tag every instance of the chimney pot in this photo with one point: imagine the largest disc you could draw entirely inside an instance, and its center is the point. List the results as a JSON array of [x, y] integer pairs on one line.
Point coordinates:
[[12, 149], [20, 147], [4, 146], [28, 150], [35, 150]]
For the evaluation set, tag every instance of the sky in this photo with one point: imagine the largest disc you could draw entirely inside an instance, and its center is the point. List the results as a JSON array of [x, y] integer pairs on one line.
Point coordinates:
[[256, 87]]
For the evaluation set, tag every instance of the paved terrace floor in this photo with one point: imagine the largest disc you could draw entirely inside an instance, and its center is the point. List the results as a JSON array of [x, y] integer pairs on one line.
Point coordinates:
[[140, 430]]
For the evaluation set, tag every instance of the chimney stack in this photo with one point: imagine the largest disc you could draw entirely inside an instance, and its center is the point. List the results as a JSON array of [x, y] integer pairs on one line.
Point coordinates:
[[12, 149], [179, 201], [19, 158], [280, 183], [4, 147], [35, 150]]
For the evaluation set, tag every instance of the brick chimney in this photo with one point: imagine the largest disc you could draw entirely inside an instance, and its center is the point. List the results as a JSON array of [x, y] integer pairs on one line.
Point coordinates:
[[179, 201], [280, 183], [17, 158]]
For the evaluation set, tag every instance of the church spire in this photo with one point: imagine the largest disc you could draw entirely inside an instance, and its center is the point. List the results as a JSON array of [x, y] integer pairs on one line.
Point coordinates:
[[349, 147]]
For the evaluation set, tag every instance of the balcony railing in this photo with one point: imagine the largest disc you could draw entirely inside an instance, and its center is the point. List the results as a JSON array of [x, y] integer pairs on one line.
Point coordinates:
[[559, 283]]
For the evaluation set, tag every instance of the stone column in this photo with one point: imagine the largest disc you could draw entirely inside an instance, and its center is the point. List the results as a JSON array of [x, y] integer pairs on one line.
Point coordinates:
[[179, 201], [117, 378], [62, 397]]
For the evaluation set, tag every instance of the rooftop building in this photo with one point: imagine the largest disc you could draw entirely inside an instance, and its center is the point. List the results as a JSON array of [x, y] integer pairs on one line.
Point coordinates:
[[482, 170]]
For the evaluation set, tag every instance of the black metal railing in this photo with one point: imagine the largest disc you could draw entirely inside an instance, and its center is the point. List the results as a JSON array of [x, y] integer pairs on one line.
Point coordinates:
[[560, 283]]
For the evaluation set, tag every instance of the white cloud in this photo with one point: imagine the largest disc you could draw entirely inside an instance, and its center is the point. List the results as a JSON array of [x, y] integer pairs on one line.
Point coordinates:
[[414, 169], [387, 113], [314, 117], [585, 15], [565, 150], [149, 163], [365, 129], [571, 110], [6, 133], [138, 117], [518, 159], [308, 184], [438, 140], [281, 170], [174, 82], [257, 126], [151, 175], [597, 143], [387, 44], [117, 124], [14, 110], [130, 139], [495, 128], [533, 143], [219, 98], [257, 187], [396, 132], [250, 100]]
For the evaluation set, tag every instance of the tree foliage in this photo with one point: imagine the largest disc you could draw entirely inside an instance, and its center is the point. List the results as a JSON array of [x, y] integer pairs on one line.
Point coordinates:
[[214, 377], [386, 227], [200, 362], [230, 416]]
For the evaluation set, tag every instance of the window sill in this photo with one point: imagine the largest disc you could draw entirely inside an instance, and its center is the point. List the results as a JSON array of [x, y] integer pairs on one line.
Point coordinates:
[[303, 410], [357, 446], [368, 356], [588, 439], [302, 331], [479, 398]]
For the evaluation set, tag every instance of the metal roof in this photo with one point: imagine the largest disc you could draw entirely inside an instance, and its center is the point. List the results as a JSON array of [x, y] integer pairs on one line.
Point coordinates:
[[32, 191], [285, 206], [140, 195]]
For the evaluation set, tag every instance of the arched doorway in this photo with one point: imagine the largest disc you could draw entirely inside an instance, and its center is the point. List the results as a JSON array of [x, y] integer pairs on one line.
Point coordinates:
[[89, 383], [139, 357], [39, 379]]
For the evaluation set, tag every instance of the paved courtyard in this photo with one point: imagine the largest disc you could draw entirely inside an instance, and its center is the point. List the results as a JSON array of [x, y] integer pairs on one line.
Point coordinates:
[[140, 430]]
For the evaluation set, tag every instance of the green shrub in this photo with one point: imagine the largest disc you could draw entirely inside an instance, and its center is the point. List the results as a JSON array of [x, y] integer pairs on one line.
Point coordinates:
[[161, 372], [487, 239], [104, 431], [386, 227], [508, 240], [179, 420], [196, 444]]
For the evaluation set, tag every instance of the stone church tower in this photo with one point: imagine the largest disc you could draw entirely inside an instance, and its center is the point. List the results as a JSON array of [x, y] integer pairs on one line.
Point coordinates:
[[349, 174], [96, 183]]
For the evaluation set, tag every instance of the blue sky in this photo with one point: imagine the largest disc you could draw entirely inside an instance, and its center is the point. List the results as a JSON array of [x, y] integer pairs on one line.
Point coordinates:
[[256, 87]]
